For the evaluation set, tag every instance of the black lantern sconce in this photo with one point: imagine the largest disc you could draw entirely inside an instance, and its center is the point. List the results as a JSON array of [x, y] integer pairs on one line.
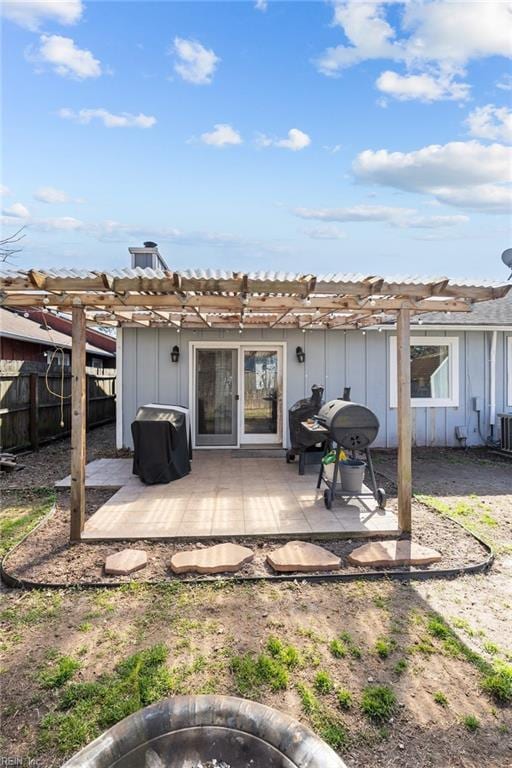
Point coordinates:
[[301, 355], [175, 354]]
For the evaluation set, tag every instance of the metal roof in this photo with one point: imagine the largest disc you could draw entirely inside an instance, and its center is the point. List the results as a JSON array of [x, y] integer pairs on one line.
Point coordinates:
[[220, 298], [15, 326]]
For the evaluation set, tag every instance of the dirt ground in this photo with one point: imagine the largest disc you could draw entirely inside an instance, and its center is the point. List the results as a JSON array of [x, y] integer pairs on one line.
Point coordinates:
[[440, 639]]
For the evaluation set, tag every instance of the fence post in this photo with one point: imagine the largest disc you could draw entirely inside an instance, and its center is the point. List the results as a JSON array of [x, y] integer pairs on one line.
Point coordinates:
[[34, 411]]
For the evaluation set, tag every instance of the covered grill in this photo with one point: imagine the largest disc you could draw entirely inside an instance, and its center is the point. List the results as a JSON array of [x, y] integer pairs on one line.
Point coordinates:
[[302, 440], [161, 444], [351, 425]]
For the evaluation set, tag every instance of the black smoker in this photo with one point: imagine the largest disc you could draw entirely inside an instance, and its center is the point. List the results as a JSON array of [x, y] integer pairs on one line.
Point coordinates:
[[352, 427], [303, 441]]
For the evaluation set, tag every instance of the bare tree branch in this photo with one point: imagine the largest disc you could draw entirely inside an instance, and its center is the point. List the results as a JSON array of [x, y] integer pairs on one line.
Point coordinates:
[[6, 249]]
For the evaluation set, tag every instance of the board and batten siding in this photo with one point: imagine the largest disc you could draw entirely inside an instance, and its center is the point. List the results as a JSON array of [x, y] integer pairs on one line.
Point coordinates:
[[334, 359]]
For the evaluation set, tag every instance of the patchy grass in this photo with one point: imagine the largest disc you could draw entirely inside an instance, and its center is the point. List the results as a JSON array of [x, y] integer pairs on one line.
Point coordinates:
[[400, 666], [285, 654], [59, 673], [384, 646], [471, 722], [378, 702], [440, 699], [323, 683], [21, 511], [251, 673], [498, 683], [352, 647], [86, 709], [344, 698]]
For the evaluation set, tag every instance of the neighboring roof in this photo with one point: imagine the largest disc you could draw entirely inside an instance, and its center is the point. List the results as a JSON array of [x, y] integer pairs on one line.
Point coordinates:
[[220, 299], [15, 326], [497, 312]]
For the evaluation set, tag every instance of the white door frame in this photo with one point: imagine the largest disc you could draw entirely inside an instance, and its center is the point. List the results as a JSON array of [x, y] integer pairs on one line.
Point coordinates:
[[240, 346]]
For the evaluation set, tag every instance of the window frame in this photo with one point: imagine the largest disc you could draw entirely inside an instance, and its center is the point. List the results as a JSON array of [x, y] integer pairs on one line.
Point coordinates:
[[452, 342]]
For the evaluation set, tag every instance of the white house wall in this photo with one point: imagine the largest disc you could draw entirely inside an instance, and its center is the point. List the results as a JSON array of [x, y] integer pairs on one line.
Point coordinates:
[[334, 359]]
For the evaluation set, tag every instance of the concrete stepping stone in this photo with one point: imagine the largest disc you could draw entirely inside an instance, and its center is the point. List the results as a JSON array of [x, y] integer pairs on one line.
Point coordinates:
[[388, 553], [125, 562], [302, 556], [217, 559]]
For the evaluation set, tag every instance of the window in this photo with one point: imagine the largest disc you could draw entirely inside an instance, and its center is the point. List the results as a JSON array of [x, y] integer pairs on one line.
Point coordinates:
[[434, 372]]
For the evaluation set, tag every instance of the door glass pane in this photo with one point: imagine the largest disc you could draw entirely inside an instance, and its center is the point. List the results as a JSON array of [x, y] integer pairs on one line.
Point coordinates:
[[215, 372], [260, 392], [430, 371]]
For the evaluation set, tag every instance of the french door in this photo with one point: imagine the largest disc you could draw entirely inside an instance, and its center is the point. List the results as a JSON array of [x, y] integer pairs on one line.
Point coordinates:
[[216, 397], [237, 393], [261, 402]]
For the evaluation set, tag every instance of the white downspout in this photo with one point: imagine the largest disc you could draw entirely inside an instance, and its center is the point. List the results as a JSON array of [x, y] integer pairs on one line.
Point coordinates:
[[492, 384]]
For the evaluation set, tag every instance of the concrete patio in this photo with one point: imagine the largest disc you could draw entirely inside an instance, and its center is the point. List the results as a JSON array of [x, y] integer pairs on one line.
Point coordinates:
[[226, 496]]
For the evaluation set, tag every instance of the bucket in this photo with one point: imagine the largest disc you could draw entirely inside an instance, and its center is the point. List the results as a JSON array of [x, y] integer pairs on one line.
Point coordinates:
[[352, 475]]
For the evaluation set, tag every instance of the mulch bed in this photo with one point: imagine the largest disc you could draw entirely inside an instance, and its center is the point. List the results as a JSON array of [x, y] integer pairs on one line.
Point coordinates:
[[47, 557]]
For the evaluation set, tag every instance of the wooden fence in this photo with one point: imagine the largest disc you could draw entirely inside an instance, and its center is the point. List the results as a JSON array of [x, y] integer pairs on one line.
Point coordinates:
[[30, 412]]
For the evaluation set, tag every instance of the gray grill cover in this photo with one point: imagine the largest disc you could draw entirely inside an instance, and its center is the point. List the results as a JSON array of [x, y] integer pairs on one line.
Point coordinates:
[[160, 440]]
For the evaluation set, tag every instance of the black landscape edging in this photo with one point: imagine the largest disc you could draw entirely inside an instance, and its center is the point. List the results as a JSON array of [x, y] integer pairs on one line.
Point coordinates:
[[420, 575]]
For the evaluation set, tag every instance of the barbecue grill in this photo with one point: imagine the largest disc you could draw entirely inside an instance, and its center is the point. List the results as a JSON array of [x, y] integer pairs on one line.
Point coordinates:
[[352, 427], [301, 439]]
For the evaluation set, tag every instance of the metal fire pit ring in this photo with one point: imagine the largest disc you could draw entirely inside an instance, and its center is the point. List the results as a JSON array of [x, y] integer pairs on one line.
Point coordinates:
[[181, 731]]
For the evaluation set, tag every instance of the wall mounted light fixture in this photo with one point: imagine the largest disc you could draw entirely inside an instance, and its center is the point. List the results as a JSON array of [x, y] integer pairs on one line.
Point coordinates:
[[301, 355], [175, 354]]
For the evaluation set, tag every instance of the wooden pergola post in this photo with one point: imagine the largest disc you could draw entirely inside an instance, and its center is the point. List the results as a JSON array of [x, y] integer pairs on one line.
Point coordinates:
[[403, 347], [78, 422]]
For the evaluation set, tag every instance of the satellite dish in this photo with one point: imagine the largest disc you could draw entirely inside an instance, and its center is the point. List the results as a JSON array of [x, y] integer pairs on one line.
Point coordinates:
[[506, 258]]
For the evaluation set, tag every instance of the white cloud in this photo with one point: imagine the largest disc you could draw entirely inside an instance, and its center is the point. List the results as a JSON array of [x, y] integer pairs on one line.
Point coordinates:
[[491, 122], [109, 120], [221, 136], [423, 87], [17, 211], [295, 141], [432, 32], [196, 63], [32, 13], [51, 195], [66, 59], [261, 5], [404, 218], [326, 233], [355, 213], [60, 224], [486, 198], [505, 84], [465, 174], [433, 40], [4, 191]]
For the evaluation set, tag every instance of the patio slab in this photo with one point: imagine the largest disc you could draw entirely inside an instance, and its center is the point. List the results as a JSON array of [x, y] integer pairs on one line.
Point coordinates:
[[105, 473], [224, 497]]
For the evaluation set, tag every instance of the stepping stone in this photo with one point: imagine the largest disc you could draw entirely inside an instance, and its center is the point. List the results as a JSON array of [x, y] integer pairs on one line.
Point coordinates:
[[125, 562], [402, 552], [302, 556], [216, 559]]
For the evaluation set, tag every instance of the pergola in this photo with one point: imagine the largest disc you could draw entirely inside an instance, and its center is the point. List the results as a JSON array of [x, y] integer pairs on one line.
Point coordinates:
[[235, 300]]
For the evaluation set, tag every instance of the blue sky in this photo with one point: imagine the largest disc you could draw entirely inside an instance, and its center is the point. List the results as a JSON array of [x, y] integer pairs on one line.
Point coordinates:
[[311, 137]]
